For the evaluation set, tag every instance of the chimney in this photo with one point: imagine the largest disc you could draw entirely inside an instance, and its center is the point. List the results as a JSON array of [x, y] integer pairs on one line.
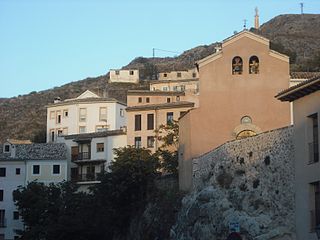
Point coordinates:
[[57, 100]]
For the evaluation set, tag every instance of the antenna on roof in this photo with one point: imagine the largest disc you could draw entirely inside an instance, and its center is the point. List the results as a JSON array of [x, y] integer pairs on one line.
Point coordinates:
[[301, 6], [244, 23]]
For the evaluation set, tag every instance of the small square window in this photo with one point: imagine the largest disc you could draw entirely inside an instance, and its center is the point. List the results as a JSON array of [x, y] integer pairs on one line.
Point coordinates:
[[60, 133], [100, 147], [1, 195], [36, 169], [56, 169], [18, 171], [131, 72], [147, 100], [194, 75], [117, 72], [82, 129], [7, 148], [179, 74], [168, 100], [165, 75], [178, 98], [65, 113], [15, 215], [121, 112], [2, 172], [140, 99]]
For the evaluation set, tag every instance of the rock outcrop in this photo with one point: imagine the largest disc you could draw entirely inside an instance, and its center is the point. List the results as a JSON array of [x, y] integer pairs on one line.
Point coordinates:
[[248, 181]]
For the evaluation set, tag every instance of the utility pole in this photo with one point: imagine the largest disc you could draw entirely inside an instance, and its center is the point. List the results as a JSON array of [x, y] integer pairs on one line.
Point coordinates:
[[301, 6], [244, 23]]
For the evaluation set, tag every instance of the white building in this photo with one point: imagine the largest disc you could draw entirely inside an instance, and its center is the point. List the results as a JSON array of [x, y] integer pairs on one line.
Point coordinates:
[[20, 164], [90, 154], [124, 76], [85, 114]]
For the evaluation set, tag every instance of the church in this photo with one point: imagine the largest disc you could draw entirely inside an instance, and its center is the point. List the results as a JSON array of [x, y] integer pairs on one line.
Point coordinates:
[[237, 88]]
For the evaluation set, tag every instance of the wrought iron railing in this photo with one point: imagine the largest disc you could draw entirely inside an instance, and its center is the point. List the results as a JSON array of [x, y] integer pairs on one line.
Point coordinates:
[[80, 156]]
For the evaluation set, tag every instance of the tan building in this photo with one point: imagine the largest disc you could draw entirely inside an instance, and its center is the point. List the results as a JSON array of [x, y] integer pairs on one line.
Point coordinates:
[[238, 85], [147, 110], [179, 75], [190, 86], [124, 76], [306, 105]]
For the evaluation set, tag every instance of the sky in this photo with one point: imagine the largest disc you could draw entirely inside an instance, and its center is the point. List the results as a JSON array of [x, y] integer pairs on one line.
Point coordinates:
[[44, 44]]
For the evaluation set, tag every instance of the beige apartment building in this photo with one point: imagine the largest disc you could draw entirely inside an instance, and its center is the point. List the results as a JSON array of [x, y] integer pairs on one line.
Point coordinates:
[[238, 85], [124, 76], [306, 111], [147, 110], [179, 75], [87, 113]]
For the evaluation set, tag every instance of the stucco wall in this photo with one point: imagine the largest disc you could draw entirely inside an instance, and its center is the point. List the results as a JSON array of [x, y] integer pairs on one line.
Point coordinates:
[[250, 181]]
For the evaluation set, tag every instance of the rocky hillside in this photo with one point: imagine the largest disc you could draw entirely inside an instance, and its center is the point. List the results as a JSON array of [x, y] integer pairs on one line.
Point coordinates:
[[296, 35], [24, 117]]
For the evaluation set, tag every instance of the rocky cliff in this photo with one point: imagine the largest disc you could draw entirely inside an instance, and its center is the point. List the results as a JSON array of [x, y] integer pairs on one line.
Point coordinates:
[[248, 181]]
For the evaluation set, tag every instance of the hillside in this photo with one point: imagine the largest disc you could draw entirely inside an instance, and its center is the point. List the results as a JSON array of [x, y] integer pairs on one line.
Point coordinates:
[[24, 116]]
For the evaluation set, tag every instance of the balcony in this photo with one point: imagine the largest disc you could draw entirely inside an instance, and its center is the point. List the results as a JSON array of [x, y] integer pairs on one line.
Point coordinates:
[[313, 152], [80, 156], [88, 177]]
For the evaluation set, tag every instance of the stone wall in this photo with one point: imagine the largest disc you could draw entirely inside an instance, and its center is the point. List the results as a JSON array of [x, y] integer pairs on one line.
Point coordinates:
[[41, 151], [249, 181]]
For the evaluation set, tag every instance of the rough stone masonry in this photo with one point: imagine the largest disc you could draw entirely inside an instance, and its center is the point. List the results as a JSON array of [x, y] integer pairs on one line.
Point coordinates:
[[248, 181]]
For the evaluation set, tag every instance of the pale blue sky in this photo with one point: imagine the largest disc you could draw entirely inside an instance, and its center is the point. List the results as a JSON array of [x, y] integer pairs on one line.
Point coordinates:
[[44, 44]]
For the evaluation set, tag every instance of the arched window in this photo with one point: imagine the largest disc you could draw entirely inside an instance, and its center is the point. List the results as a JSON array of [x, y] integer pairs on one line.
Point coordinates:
[[246, 120], [237, 65], [254, 65]]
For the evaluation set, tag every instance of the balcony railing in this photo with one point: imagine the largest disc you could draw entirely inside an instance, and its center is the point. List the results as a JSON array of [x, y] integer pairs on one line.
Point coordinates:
[[87, 177], [313, 152], [314, 219], [81, 156]]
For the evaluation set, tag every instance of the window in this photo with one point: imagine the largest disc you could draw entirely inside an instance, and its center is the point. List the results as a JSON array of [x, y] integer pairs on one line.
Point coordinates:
[[315, 205], [2, 172], [60, 133], [131, 72], [179, 74], [254, 65], [101, 128], [150, 142], [56, 169], [237, 66], [147, 100], [121, 112], [103, 114], [313, 136], [194, 75], [178, 98], [137, 122], [175, 88], [164, 88], [83, 115], [18, 171], [169, 117], [117, 72], [1, 195], [165, 75], [15, 215], [52, 135], [36, 169], [168, 100], [58, 120], [65, 113], [100, 147], [82, 129], [52, 114], [150, 121], [7, 148], [2, 218], [140, 99], [137, 142], [246, 120]]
